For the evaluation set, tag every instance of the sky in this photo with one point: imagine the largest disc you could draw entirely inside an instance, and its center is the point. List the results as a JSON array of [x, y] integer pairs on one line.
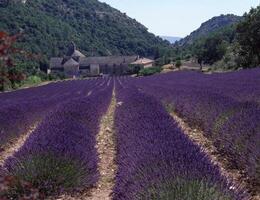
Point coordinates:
[[179, 17]]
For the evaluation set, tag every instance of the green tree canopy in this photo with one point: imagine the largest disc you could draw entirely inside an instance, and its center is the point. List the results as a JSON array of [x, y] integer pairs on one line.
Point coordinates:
[[248, 36]]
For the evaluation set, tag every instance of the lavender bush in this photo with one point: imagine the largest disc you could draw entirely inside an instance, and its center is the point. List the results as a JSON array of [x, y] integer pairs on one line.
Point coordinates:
[[224, 106], [22, 109], [60, 154], [156, 160]]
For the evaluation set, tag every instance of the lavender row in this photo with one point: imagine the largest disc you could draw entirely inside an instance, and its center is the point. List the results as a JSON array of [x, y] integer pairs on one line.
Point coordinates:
[[18, 117], [47, 91], [242, 86], [156, 160], [60, 154], [232, 123]]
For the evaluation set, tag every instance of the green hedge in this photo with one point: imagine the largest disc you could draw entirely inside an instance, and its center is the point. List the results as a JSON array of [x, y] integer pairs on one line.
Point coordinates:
[[149, 71]]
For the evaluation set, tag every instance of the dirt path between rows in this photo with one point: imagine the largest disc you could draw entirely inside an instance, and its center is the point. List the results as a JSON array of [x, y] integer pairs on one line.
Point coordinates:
[[106, 148], [207, 146], [11, 147]]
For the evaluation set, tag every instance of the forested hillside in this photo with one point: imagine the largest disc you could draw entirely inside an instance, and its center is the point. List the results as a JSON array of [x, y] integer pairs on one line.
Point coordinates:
[[213, 25], [95, 27], [225, 42]]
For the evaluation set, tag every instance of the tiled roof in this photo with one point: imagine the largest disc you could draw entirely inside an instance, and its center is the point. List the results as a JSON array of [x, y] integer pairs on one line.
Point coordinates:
[[56, 62], [73, 52], [70, 62], [77, 53], [142, 61]]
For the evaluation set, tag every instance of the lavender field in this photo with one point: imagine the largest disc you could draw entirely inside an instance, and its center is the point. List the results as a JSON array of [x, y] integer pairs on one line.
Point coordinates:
[[57, 140]]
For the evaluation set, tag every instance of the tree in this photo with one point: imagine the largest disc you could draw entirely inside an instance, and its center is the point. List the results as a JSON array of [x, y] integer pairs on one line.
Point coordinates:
[[210, 49], [248, 36], [200, 61], [178, 64], [8, 72]]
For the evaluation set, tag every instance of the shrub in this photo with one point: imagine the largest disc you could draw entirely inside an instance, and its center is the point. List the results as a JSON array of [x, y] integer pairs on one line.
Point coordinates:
[[48, 173], [178, 64], [32, 80], [133, 69], [149, 71], [163, 163], [60, 155], [181, 189]]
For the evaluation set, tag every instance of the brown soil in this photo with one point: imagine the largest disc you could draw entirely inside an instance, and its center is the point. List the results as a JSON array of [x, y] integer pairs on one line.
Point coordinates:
[[14, 145], [107, 152], [234, 175], [106, 148]]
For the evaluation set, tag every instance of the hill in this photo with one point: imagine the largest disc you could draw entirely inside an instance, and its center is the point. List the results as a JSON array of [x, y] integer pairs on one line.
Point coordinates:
[[171, 39], [213, 25], [95, 27], [226, 42]]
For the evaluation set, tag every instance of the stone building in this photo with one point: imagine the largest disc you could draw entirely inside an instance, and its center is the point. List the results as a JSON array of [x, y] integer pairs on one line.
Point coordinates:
[[75, 64]]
